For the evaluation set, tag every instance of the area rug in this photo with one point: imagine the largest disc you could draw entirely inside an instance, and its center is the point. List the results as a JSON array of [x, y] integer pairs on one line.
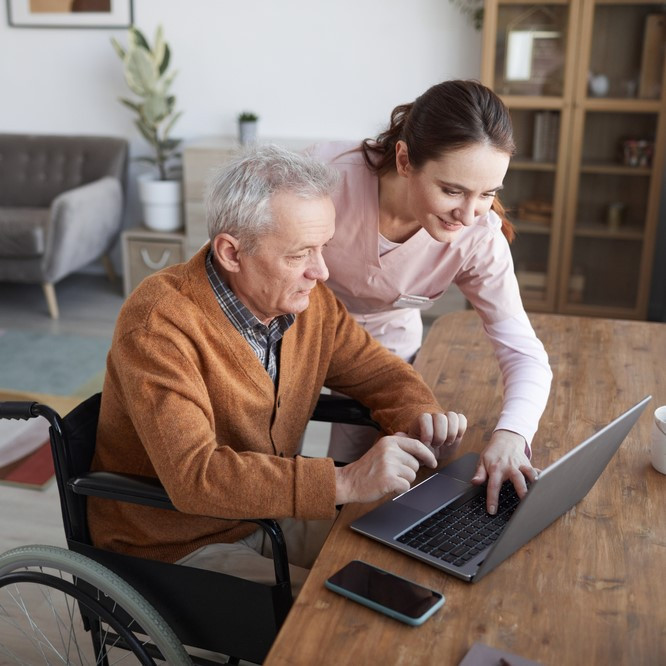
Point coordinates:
[[57, 370], [34, 471], [52, 363], [25, 454]]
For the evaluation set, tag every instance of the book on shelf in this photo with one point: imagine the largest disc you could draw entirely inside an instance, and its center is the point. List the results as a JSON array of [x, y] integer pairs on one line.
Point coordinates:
[[546, 133], [652, 58]]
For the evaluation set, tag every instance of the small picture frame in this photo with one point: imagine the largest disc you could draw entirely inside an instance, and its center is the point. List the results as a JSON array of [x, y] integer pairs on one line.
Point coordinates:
[[531, 54], [70, 13]]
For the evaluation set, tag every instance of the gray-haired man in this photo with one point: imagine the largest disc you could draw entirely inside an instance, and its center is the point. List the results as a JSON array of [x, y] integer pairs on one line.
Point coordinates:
[[215, 368]]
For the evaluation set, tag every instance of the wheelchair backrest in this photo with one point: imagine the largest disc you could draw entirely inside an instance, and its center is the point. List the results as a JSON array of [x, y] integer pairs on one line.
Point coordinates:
[[73, 454]]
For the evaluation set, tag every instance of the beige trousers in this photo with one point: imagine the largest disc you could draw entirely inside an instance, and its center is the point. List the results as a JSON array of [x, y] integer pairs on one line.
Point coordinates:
[[252, 557]]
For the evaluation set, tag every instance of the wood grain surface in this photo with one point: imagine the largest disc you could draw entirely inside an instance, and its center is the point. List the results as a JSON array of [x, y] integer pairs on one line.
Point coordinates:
[[588, 590]]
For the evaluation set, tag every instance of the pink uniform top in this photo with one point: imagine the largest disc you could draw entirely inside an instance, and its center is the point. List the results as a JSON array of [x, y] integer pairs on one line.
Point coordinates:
[[386, 293]]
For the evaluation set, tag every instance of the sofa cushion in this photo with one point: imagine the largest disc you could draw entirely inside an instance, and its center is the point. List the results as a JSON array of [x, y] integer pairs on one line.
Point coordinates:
[[36, 168], [23, 231]]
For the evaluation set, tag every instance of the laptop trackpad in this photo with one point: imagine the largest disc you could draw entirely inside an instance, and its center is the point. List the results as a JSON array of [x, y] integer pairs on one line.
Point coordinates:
[[433, 493]]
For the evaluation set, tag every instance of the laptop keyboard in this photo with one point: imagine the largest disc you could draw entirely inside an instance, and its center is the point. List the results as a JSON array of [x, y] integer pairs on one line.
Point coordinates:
[[462, 529]]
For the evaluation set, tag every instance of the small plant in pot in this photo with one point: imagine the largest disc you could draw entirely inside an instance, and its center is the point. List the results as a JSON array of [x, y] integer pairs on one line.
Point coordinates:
[[247, 127], [147, 76]]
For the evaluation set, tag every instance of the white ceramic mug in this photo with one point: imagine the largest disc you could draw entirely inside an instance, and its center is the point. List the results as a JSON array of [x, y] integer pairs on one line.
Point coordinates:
[[658, 450]]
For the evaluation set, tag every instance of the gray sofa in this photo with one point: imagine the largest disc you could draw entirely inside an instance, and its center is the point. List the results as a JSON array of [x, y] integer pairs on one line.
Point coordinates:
[[61, 204]]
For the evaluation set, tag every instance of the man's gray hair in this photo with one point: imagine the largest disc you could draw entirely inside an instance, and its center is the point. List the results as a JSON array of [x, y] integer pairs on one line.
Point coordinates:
[[238, 198]]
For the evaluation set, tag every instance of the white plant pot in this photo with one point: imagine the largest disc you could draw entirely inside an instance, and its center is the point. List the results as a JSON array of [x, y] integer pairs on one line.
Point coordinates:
[[162, 203], [247, 132]]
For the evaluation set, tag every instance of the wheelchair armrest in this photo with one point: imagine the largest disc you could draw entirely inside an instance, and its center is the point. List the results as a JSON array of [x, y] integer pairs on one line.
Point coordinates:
[[149, 491], [339, 409], [122, 487]]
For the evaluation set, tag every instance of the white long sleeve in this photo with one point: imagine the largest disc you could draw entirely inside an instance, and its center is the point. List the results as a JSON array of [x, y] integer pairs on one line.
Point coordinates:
[[526, 374]]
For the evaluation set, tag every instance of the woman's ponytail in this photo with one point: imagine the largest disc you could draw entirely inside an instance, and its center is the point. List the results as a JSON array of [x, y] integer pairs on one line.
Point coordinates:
[[379, 153]]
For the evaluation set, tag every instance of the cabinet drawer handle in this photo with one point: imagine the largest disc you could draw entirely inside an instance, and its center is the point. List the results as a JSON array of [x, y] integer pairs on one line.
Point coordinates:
[[155, 265]]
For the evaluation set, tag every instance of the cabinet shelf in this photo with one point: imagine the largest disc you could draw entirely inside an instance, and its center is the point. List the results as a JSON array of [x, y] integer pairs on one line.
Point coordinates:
[[523, 227], [535, 102], [621, 105], [614, 169], [526, 164], [602, 231]]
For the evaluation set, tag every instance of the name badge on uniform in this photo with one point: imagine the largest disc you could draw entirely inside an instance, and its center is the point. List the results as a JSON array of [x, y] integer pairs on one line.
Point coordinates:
[[411, 301]]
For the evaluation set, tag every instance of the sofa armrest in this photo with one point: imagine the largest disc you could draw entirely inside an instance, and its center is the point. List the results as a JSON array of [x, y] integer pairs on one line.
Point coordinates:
[[83, 223]]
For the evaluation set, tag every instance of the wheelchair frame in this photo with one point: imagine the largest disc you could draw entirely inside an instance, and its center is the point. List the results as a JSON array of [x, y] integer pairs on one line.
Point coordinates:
[[157, 585]]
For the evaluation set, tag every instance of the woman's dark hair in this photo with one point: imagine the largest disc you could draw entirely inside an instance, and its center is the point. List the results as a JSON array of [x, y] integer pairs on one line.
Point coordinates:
[[448, 116]]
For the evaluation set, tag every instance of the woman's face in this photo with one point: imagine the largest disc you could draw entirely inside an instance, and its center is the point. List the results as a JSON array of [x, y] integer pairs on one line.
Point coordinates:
[[447, 194]]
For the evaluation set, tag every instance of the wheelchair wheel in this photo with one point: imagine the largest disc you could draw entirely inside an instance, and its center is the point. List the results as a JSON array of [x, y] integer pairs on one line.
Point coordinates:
[[45, 591]]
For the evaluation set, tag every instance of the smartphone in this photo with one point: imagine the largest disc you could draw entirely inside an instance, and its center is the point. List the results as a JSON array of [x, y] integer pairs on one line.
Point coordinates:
[[385, 592]]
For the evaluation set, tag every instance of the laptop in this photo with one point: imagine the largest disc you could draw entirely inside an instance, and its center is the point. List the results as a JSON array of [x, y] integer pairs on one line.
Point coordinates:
[[433, 520]]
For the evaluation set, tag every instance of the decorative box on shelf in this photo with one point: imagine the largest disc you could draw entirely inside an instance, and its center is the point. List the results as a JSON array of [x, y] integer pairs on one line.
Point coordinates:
[[535, 211], [146, 251]]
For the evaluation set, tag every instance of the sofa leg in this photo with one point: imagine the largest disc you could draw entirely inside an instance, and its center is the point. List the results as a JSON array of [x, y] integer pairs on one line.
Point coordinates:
[[51, 301], [108, 267]]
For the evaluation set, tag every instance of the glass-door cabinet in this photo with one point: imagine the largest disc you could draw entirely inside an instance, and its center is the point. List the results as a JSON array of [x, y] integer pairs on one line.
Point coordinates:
[[617, 160], [583, 81], [528, 60]]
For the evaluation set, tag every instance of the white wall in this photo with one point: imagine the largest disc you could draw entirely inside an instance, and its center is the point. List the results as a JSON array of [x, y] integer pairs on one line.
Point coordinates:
[[309, 68]]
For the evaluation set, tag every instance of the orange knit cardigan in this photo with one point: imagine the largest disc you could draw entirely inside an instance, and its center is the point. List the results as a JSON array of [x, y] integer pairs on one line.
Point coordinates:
[[186, 399]]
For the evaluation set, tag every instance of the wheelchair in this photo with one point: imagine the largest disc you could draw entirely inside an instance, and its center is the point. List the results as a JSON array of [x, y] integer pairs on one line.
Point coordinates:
[[85, 605]]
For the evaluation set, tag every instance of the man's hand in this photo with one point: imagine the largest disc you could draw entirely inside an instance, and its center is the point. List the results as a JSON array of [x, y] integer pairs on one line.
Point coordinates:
[[504, 458], [389, 466], [442, 433]]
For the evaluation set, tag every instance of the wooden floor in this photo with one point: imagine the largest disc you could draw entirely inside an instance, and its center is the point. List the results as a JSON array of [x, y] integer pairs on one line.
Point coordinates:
[[89, 305]]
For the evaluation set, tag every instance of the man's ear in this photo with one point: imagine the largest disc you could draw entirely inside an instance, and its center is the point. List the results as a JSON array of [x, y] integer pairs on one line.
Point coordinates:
[[402, 164], [225, 249]]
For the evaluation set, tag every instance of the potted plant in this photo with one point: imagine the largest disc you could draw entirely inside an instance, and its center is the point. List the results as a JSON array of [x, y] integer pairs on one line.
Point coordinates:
[[247, 127], [147, 76]]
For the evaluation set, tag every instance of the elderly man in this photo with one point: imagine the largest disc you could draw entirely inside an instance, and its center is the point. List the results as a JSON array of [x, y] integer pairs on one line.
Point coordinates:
[[215, 368]]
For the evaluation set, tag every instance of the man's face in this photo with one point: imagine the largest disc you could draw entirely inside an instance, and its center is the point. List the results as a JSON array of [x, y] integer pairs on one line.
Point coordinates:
[[279, 276]]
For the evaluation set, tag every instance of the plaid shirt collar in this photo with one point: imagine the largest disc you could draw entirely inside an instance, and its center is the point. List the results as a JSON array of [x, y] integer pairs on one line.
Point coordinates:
[[239, 315]]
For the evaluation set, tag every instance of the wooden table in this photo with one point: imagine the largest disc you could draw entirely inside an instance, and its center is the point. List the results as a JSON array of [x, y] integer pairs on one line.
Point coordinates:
[[591, 588]]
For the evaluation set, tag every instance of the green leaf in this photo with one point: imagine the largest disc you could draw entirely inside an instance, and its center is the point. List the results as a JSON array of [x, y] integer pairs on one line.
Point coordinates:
[[140, 72], [118, 48], [159, 47], [164, 63], [167, 81], [138, 38], [147, 132], [132, 105], [155, 109], [171, 123]]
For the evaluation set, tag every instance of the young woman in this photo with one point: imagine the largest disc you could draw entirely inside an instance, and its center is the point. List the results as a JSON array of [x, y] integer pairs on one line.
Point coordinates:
[[417, 211]]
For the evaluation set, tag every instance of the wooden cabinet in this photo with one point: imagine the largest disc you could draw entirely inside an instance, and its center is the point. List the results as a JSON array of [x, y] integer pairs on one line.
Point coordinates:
[[200, 158], [145, 252], [585, 84]]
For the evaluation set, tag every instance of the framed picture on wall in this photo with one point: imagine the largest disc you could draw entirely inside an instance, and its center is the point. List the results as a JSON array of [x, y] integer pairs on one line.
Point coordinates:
[[70, 13]]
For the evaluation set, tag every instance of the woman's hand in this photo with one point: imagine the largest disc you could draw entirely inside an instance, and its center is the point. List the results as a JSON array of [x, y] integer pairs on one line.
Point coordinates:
[[504, 458]]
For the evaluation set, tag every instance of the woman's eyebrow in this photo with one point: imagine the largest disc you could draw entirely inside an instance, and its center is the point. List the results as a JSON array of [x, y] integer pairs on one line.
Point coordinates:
[[456, 186]]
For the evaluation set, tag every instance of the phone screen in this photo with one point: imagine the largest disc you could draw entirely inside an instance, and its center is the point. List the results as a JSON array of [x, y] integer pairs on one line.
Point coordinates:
[[385, 590]]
